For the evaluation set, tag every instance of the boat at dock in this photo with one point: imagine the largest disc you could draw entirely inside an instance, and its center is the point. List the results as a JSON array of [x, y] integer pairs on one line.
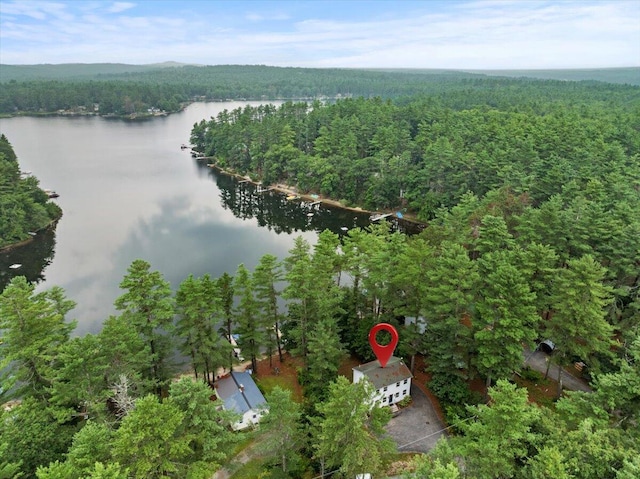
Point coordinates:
[[379, 217]]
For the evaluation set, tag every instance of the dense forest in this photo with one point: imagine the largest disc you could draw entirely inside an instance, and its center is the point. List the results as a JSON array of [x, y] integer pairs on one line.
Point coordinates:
[[87, 403], [562, 175], [531, 190], [24, 207], [124, 90]]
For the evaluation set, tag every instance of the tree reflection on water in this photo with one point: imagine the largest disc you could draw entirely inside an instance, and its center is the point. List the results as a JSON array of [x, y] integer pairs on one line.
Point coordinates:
[[34, 257]]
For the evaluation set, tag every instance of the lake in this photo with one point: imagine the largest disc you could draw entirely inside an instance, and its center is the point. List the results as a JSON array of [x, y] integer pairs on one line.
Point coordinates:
[[128, 191]]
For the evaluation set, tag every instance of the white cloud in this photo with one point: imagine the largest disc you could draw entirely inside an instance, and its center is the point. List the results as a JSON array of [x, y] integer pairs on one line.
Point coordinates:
[[270, 17], [118, 7], [479, 34]]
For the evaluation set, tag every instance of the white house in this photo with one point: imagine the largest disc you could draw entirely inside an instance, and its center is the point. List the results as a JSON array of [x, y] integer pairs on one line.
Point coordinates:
[[392, 383], [239, 394]]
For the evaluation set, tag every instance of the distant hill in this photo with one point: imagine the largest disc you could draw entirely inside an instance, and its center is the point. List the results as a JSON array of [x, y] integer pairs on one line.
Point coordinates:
[[126, 90], [76, 71], [629, 75], [88, 71]]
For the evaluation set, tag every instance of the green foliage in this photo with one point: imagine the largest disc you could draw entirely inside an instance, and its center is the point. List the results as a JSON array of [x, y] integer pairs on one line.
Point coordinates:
[[578, 326], [24, 207], [90, 445], [118, 89], [499, 436], [452, 280], [148, 440], [348, 433], [454, 394], [251, 331], [267, 275], [532, 192], [32, 437], [148, 307], [549, 462], [199, 310], [284, 431], [33, 330], [505, 317], [324, 358], [427, 468], [203, 424]]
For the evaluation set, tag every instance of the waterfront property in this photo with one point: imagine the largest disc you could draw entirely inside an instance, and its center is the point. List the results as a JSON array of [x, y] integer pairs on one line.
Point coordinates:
[[392, 382], [240, 394]]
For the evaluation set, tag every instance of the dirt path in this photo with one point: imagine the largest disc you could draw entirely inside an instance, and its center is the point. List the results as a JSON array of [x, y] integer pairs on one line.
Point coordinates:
[[236, 462]]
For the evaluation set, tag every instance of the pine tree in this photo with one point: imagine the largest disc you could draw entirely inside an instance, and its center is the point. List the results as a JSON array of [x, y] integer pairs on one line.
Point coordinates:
[[580, 299], [266, 276], [33, 330], [348, 434], [251, 332], [148, 307]]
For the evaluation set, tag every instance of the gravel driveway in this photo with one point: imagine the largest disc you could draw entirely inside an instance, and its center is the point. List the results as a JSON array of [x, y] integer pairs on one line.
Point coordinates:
[[417, 428], [538, 360]]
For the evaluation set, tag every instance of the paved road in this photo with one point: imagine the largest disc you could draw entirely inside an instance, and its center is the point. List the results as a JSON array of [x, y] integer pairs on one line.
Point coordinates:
[[538, 360], [417, 428]]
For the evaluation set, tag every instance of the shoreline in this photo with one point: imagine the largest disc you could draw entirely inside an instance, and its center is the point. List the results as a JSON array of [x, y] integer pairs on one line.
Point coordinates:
[[292, 190], [26, 241]]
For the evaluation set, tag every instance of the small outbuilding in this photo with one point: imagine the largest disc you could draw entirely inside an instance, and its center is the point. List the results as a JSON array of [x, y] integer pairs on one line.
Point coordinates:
[[240, 394], [392, 383]]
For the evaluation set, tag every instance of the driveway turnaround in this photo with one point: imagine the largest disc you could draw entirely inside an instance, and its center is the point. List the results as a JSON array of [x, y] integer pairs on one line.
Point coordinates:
[[538, 360], [417, 428]]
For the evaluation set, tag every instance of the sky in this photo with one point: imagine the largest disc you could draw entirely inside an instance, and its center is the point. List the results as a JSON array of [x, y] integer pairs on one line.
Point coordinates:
[[475, 34]]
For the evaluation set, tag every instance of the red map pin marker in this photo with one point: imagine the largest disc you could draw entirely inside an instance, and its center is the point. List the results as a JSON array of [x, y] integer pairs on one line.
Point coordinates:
[[383, 352]]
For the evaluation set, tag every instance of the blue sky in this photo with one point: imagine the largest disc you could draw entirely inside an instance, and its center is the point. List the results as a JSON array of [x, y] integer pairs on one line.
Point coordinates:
[[475, 34]]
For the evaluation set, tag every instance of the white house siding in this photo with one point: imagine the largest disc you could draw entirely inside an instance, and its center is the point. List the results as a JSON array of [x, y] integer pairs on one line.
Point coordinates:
[[393, 392], [392, 383], [249, 418]]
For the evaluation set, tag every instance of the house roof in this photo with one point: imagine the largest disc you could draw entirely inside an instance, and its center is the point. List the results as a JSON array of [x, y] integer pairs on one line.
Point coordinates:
[[395, 371], [239, 392]]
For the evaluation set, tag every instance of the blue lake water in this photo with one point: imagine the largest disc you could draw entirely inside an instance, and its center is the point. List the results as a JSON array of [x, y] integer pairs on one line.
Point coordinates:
[[128, 191]]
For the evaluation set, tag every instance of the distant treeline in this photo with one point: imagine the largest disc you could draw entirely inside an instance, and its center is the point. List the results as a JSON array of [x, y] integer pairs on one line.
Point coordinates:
[[119, 90]]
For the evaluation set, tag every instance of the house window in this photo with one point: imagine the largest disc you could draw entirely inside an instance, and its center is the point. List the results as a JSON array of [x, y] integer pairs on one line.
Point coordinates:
[[384, 399], [397, 385], [404, 393], [405, 381], [385, 388], [397, 394], [254, 416]]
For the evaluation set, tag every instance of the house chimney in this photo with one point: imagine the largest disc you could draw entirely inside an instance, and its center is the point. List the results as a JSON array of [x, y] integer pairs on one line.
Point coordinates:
[[241, 387]]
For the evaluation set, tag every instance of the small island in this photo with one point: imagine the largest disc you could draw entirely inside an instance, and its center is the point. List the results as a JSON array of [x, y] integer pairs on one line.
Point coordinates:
[[25, 208]]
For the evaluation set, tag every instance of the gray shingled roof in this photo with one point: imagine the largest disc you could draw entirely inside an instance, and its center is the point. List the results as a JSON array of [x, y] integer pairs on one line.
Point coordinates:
[[234, 399], [395, 371]]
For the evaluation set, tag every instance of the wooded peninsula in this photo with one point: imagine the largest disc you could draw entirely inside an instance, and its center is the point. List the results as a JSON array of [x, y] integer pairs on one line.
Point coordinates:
[[531, 192], [24, 207]]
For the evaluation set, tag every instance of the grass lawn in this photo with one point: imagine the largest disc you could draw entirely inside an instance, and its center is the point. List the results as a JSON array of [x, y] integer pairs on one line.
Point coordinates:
[[283, 374], [541, 391], [251, 470]]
